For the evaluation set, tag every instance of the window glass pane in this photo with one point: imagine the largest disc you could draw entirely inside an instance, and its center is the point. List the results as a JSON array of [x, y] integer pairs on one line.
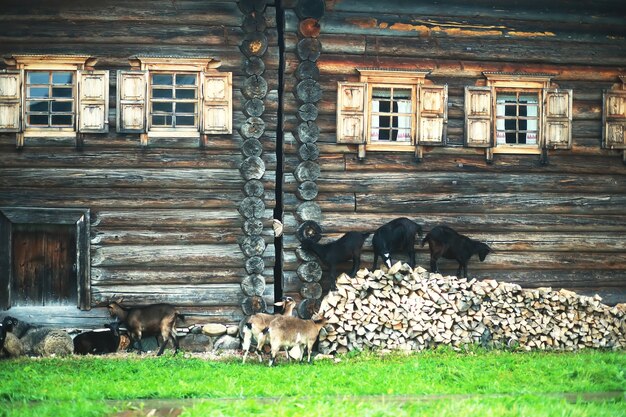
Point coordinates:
[[36, 119], [162, 79], [404, 135], [61, 120], [37, 106], [162, 93], [38, 92], [61, 78], [62, 106], [186, 93], [380, 92], [185, 121], [62, 92], [400, 93], [38, 77], [162, 107], [164, 120], [185, 107], [185, 79]]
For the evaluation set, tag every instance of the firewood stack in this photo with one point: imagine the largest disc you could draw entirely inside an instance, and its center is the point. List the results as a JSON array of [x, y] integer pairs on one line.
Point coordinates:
[[410, 309]]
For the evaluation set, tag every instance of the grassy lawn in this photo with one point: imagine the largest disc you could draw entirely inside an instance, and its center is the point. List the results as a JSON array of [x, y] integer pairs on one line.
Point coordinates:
[[435, 383]]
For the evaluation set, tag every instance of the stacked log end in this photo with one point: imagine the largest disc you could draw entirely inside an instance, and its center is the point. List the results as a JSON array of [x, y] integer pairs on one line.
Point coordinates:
[[411, 309]]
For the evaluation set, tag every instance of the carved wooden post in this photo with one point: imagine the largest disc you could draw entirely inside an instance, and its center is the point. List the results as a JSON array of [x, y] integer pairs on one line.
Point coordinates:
[[252, 169], [308, 92]]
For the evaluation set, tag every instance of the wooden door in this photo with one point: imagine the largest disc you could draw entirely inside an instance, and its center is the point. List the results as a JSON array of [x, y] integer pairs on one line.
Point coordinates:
[[44, 265]]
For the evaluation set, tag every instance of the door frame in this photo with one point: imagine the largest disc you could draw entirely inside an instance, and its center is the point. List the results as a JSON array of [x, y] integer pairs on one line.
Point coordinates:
[[54, 216]]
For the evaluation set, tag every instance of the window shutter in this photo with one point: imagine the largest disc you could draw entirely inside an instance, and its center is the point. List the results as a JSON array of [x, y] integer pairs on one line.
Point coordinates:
[[351, 98], [433, 115], [10, 101], [131, 101], [614, 119], [93, 101], [217, 107], [478, 117], [557, 120]]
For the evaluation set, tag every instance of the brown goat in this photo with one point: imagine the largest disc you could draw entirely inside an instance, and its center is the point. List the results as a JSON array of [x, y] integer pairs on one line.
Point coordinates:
[[258, 322], [287, 332], [151, 320]]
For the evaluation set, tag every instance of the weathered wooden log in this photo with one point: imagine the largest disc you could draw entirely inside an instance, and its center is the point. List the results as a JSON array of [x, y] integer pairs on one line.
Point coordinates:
[[307, 190], [253, 128], [309, 210], [253, 305], [308, 91], [252, 285], [311, 290], [254, 66], [309, 49], [308, 152], [252, 208], [252, 246], [255, 265], [252, 168], [253, 226], [254, 22], [310, 272], [309, 28], [307, 112], [251, 147], [308, 307], [310, 9], [307, 70], [254, 107], [309, 229], [254, 44], [253, 188], [308, 132], [254, 86], [307, 171], [252, 6]]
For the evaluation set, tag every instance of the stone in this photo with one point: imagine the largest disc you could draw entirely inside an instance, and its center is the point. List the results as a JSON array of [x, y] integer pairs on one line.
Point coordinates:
[[214, 329], [227, 342]]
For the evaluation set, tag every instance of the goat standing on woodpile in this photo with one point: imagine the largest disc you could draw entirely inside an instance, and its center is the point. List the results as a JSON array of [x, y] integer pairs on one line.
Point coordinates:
[[151, 320], [348, 247], [259, 322], [445, 242], [395, 236], [98, 342], [287, 332]]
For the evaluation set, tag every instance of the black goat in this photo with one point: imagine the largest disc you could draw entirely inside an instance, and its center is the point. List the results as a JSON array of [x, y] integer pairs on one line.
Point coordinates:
[[6, 326], [395, 236], [343, 249], [445, 242], [151, 320], [100, 341]]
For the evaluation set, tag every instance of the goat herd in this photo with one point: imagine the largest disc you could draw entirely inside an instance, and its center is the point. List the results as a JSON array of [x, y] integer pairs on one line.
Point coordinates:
[[281, 331]]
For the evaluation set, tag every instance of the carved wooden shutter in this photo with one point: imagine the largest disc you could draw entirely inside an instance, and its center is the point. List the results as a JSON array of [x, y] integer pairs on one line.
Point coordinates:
[[10, 101], [557, 118], [478, 117], [131, 101], [93, 101], [217, 103], [614, 119], [351, 99], [433, 115]]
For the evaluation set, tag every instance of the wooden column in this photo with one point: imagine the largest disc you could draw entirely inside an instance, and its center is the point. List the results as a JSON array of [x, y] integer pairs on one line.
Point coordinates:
[[252, 169], [308, 92]]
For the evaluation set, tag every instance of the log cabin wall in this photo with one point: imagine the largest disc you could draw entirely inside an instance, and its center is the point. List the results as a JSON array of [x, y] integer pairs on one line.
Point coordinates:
[[188, 222], [559, 224]]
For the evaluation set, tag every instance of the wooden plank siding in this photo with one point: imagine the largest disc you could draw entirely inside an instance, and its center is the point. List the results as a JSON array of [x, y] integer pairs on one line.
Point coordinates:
[[561, 224], [165, 219]]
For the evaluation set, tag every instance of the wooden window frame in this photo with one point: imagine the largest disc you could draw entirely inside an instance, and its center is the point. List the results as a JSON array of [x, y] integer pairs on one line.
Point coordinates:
[[90, 108], [10, 216], [210, 106], [614, 117], [193, 129]]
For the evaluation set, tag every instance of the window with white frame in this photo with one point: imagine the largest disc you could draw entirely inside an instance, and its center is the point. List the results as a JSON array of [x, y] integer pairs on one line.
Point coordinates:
[[174, 97], [391, 110], [518, 113], [53, 96]]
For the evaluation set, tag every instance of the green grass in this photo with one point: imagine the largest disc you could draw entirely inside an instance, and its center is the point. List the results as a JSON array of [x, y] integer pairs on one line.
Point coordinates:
[[437, 383]]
